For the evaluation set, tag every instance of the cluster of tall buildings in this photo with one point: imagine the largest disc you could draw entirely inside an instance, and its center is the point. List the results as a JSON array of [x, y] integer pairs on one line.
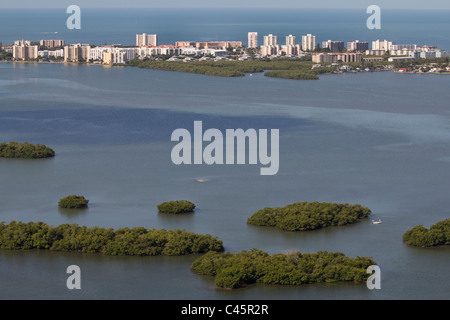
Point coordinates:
[[147, 45], [405, 51], [271, 47]]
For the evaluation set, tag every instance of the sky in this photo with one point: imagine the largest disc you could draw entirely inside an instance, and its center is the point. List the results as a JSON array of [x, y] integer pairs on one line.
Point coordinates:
[[384, 4]]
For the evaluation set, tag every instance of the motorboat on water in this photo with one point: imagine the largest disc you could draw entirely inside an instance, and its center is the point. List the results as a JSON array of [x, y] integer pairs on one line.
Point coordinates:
[[376, 221]]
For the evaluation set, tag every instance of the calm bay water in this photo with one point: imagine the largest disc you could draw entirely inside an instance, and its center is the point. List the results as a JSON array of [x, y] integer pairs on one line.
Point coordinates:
[[384, 145], [379, 139]]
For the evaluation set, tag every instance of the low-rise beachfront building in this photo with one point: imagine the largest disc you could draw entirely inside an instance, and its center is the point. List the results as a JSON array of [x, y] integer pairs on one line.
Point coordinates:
[[336, 57], [51, 53]]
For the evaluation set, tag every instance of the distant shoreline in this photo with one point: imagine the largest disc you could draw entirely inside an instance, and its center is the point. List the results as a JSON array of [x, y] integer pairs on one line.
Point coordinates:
[[205, 63]]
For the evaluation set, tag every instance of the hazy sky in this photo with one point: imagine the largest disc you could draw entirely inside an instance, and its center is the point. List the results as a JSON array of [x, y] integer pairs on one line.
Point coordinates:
[[388, 4]]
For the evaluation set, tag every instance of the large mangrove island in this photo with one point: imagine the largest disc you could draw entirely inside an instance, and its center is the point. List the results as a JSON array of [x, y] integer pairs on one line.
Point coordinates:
[[302, 216], [300, 68], [234, 270], [137, 241]]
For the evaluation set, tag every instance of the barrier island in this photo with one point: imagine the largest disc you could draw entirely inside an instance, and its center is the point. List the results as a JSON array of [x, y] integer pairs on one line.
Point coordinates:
[[235, 270], [303, 216], [25, 150], [437, 235], [137, 241]]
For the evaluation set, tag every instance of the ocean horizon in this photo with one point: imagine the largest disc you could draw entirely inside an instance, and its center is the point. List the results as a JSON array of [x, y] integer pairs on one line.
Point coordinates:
[[101, 26]]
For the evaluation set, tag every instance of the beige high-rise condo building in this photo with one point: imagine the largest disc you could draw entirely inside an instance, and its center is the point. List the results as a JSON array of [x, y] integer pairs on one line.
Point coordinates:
[[77, 52], [25, 51], [290, 40], [253, 39], [52, 43], [146, 40], [270, 40], [308, 42]]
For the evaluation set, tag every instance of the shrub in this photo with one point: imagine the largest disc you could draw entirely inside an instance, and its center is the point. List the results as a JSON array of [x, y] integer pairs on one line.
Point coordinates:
[[73, 202], [179, 206]]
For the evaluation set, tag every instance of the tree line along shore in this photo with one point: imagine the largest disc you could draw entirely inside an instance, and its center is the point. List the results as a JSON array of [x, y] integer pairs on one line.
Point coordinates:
[[282, 68]]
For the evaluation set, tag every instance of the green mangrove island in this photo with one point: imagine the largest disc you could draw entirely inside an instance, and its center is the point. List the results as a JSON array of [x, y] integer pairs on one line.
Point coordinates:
[[303, 216], [137, 241], [235, 270], [178, 206], [437, 235], [281, 68], [73, 202], [25, 150]]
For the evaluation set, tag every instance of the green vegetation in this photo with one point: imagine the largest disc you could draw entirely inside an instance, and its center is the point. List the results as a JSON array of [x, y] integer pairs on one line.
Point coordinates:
[[414, 63], [25, 150], [292, 74], [437, 235], [73, 202], [234, 270], [301, 216], [7, 56], [179, 206], [292, 68], [136, 241]]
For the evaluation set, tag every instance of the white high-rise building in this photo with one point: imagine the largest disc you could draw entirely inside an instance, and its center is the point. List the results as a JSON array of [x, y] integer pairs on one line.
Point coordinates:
[[290, 40], [270, 40], [146, 40], [253, 39], [382, 45], [308, 42], [97, 52]]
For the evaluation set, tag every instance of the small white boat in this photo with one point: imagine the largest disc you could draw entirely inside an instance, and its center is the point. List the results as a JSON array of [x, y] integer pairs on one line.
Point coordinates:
[[376, 221]]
